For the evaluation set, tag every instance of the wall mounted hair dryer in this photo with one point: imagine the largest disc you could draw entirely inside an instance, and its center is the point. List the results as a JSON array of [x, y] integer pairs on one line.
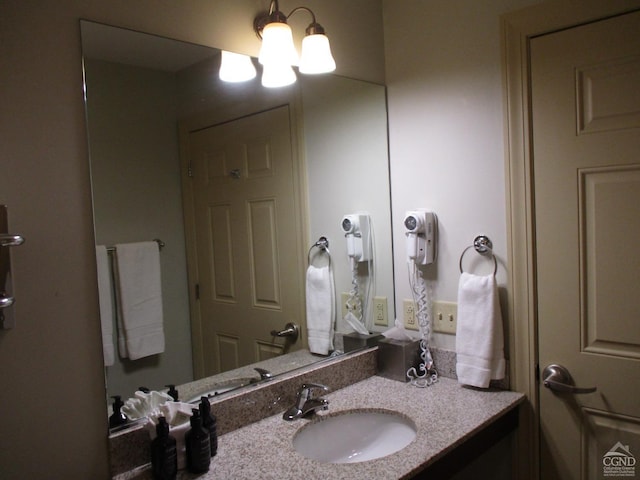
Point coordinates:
[[421, 231], [357, 232]]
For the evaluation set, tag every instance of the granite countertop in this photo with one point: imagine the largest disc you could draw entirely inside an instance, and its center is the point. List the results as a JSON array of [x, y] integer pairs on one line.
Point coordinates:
[[445, 414]]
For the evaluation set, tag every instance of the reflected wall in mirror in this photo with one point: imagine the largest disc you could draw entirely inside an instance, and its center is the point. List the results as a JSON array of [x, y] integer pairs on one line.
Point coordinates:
[[148, 100]]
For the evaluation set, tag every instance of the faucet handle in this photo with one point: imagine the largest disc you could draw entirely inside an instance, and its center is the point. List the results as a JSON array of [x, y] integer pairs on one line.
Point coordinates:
[[309, 386], [305, 392], [304, 404]]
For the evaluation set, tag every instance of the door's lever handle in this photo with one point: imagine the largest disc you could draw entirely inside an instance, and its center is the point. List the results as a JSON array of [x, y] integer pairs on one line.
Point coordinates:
[[558, 379], [10, 240], [5, 301]]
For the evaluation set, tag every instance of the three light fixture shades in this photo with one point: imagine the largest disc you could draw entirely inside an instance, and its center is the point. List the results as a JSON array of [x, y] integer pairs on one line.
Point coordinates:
[[278, 54]]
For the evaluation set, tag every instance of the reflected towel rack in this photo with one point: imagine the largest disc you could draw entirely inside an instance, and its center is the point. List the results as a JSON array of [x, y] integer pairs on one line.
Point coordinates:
[[157, 240], [484, 246]]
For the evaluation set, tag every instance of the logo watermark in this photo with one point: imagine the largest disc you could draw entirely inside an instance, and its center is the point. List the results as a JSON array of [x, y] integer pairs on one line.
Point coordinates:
[[619, 462]]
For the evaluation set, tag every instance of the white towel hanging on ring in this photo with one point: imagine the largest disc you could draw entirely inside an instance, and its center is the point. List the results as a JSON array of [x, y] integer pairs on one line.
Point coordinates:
[[479, 335]]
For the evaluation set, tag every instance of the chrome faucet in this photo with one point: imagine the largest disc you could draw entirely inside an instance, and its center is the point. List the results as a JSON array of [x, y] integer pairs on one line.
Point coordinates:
[[306, 405]]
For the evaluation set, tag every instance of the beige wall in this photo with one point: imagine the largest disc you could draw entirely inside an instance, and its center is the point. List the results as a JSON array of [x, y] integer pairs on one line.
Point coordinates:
[[444, 78], [51, 374], [447, 153]]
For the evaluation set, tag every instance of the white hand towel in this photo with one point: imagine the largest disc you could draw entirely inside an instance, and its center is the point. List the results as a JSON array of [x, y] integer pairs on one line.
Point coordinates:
[[479, 337], [105, 295], [140, 322], [320, 309]]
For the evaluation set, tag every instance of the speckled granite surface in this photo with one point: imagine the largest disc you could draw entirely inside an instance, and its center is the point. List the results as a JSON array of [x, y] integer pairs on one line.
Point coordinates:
[[130, 449], [445, 415]]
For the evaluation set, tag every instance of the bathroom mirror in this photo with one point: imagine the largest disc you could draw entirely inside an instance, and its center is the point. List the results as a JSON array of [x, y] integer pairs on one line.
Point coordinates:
[[141, 90]]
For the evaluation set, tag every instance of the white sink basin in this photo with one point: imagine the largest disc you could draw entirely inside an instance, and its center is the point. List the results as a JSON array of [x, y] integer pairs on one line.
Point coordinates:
[[354, 436]]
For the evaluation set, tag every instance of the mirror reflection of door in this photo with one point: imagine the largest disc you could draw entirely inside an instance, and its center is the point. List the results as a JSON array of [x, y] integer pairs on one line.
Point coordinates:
[[586, 106], [246, 222]]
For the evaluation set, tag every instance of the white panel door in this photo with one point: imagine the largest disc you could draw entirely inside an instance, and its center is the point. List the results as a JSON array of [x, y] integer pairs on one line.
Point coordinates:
[[247, 230], [586, 155]]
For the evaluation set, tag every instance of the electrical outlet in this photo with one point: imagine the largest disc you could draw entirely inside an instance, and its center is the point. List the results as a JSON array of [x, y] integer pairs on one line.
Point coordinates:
[[380, 317], [445, 315], [409, 310], [345, 309]]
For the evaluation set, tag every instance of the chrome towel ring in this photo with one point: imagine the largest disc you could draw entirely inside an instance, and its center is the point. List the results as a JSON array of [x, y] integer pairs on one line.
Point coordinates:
[[323, 246], [484, 246]]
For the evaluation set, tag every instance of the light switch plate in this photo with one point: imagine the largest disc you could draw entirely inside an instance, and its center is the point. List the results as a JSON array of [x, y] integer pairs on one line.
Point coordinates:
[[445, 316]]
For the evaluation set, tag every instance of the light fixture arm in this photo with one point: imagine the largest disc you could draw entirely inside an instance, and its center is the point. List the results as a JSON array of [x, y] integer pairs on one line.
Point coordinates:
[[275, 15], [314, 27], [273, 7]]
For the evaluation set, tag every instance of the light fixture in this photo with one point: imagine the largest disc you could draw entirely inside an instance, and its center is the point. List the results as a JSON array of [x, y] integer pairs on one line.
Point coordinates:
[[277, 46], [316, 53], [277, 75], [235, 67]]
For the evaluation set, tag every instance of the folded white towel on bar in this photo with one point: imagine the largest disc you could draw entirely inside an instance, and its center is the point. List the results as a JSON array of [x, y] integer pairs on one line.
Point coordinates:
[[140, 320], [320, 309], [105, 297], [479, 334]]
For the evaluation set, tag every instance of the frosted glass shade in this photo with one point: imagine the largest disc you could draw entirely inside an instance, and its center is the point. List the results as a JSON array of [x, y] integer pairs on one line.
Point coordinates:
[[316, 55], [277, 75], [277, 45], [235, 67]]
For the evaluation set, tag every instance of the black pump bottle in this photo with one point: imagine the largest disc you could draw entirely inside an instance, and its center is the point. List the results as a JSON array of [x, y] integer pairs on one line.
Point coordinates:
[[117, 417], [198, 446], [164, 456], [209, 422]]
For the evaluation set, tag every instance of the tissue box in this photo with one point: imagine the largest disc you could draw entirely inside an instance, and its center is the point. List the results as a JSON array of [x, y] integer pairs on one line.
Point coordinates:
[[355, 341], [395, 357]]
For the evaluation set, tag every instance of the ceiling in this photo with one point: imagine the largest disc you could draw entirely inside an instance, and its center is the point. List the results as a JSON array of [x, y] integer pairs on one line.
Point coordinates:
[[103, 42]]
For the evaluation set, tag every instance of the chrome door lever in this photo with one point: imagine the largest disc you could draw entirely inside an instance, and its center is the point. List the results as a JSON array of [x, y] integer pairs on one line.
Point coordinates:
[[5, 301], [9, 240], [558, 379]]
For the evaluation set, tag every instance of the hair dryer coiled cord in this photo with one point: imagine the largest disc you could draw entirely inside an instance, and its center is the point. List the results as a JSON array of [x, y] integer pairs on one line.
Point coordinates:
[[426, 374], [354, 302]]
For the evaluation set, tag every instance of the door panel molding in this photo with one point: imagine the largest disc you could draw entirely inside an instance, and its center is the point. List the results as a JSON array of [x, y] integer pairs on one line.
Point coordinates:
[[517, 29], [607, 432], [598, 112], [265, 275], [604, 192]]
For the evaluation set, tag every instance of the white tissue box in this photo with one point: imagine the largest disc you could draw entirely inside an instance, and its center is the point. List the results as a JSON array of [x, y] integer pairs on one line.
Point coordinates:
[[395, 357]]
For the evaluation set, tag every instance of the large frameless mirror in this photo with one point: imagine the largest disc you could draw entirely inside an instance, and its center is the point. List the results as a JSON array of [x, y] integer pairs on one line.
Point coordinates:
[[160, 123]]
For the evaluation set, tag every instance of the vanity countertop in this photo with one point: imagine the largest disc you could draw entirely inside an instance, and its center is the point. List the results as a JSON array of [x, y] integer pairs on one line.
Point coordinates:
[[446, 414]]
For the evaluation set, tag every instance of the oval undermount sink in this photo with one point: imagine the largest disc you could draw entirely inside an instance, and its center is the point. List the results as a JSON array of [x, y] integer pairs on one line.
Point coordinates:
[[355, 436]]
